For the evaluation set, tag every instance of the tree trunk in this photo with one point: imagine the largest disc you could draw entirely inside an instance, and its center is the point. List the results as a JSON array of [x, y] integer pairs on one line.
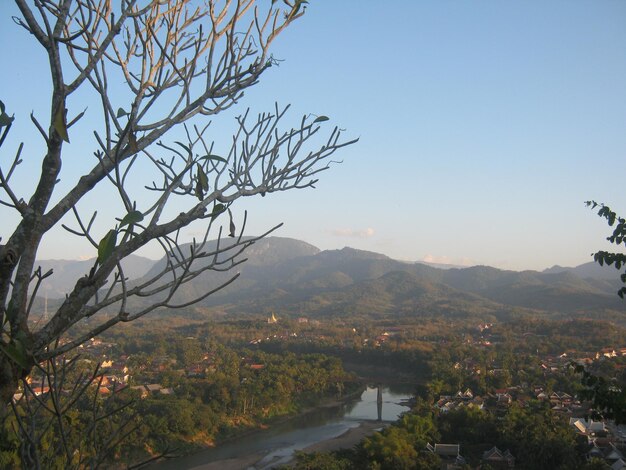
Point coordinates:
[[10, 375]]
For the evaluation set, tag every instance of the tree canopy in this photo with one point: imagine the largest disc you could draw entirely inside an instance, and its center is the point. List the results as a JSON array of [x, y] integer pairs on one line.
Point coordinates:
[[602, 257]]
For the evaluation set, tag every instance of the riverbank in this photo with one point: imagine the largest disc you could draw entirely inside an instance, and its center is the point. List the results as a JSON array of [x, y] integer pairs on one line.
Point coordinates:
[[348, 439], [325, 403], [325, 428], [231, 462]]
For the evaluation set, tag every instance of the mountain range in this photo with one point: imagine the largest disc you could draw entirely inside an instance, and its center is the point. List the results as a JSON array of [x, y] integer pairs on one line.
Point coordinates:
[[292, 277]]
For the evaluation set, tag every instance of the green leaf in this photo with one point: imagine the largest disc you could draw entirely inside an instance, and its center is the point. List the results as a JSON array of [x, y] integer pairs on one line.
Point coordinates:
[[5, 119], [198, 191], [106, 246], [202, 183], [121, 113], [320, 119], [131, 218], [214, 157], [17, 353], [202, 178], [217, 210], [60, 123]]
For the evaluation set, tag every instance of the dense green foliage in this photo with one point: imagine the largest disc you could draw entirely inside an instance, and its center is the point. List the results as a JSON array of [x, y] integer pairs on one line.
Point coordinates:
[[231, 390], [618, 237], [539, 438]]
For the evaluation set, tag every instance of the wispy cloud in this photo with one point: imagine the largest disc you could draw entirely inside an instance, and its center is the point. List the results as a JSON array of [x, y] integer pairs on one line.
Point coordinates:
[[449, 260], [351, 233]]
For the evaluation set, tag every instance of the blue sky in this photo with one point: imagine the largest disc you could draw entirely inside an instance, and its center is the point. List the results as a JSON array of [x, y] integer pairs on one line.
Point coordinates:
[[483, 127]]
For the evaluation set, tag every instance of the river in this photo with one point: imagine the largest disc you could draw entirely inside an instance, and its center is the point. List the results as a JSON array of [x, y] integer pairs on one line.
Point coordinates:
[[280, 441]]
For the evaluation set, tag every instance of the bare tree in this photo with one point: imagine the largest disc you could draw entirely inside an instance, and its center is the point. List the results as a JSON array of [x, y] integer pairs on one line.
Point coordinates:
[[157, 69]]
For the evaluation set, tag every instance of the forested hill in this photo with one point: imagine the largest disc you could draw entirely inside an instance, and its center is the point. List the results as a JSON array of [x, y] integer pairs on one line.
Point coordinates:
[[292, 277]]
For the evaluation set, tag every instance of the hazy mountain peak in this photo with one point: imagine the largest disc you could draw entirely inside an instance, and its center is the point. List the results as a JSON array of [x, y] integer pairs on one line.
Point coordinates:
[[556, 269], [67, 272], [441, 265], [353, 253], [587, 270], [271, 250]]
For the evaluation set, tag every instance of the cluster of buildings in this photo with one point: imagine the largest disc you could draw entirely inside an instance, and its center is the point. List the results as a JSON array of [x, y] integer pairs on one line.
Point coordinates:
[[112, 376], [461, 399], [502, 398], [451, 458], [605, 440]]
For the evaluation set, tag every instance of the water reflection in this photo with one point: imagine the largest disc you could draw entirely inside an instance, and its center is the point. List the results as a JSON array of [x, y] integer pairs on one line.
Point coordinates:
[[367, 407]]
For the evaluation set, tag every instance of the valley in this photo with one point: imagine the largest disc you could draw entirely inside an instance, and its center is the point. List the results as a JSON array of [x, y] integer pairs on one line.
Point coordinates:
[[302, 328]]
